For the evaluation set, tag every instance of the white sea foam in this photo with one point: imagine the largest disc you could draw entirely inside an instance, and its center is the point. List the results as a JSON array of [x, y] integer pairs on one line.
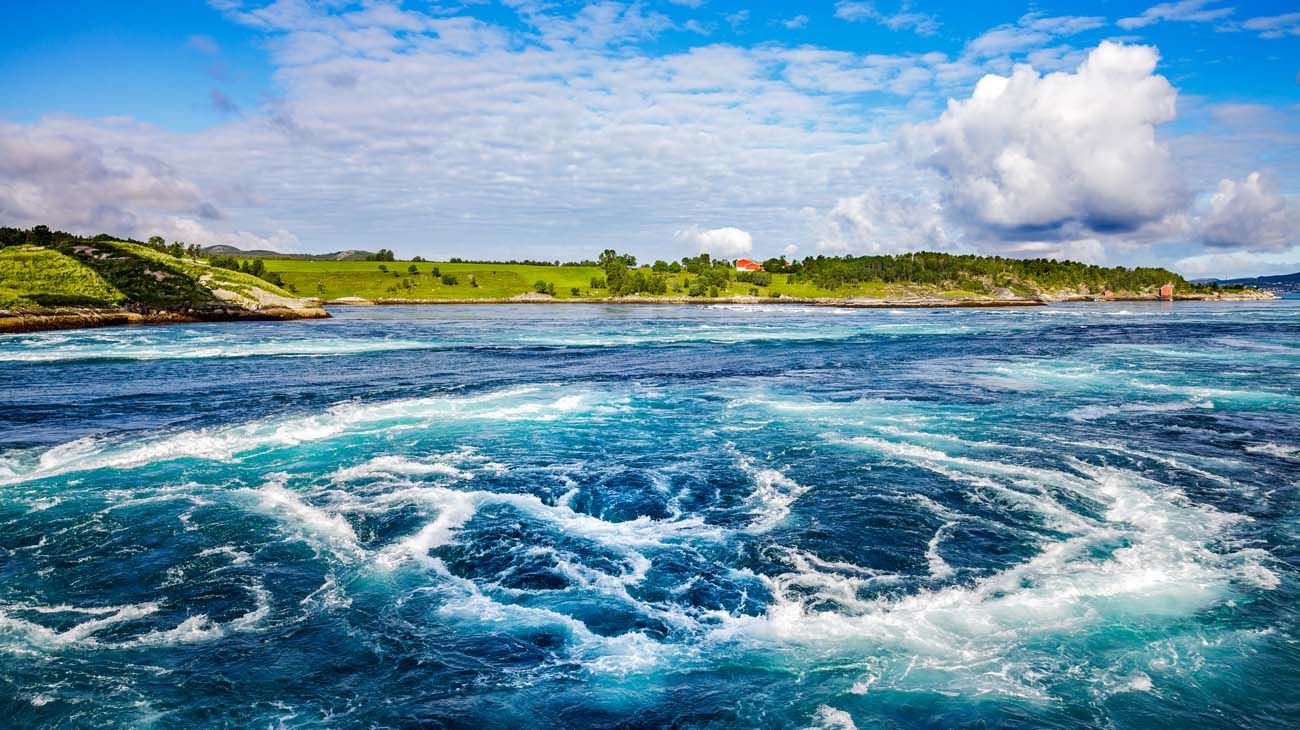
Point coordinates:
[[719, 334], [628, 653], [939, 568], [774, 494], [829, 718], [454, 508], [199, 628], [1012, 483], [228, 443], [323, 529], [1095, 412], [199, 348], [1291, 453], [1163, 566], [393, 466], [79, 634]]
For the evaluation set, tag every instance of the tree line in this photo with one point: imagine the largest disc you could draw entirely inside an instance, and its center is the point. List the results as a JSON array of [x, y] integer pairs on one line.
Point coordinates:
[[833, 272], [704, 275]]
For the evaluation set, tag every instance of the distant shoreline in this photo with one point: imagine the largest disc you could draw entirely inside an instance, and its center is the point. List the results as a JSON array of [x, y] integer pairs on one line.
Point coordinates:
[[660, 301], [66, 318], [852, 302]]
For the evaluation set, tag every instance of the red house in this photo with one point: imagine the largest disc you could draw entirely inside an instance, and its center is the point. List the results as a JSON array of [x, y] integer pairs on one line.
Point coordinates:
[[747, 265], [1167, 292]]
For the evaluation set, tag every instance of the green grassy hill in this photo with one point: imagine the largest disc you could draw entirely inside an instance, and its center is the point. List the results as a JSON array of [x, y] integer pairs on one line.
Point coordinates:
[[67, 274], [33, 277]]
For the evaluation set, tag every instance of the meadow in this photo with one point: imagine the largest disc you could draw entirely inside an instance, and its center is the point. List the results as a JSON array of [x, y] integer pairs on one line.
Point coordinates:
[[407, 280]]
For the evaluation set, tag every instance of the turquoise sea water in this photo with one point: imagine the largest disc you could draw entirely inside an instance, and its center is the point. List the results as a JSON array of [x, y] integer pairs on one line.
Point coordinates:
[[697, 517]]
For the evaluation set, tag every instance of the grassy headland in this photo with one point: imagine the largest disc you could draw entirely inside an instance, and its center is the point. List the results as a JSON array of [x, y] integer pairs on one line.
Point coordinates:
[[51, 280]]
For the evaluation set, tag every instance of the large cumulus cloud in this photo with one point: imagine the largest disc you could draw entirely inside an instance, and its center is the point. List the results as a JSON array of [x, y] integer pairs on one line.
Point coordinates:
[[1066, 154], [1250, 214]]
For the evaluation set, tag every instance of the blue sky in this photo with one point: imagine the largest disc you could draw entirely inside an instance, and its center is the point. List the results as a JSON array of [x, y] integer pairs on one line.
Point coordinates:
[[1127, 132]]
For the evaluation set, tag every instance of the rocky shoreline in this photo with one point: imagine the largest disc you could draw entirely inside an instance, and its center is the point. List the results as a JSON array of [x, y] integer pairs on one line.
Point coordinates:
[[65, 318], [851, 302]]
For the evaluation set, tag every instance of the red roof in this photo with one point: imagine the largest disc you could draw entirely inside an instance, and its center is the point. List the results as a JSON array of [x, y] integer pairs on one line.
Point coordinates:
[[747, 265]]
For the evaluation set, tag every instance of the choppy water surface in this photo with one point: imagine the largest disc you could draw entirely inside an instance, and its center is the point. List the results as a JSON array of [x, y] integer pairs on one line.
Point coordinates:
[[585, 516]]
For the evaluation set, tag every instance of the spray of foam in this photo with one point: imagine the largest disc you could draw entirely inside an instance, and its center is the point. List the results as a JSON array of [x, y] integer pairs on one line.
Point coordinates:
[[228, 443]]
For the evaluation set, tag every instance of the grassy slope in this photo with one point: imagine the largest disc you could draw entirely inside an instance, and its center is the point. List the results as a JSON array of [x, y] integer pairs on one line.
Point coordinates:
[[112, 274], [337, 279], [33, 277], [198, 270]]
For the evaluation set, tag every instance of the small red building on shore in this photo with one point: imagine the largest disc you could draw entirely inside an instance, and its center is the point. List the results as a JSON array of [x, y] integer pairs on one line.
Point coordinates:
[[1167, 292], [747, 265]]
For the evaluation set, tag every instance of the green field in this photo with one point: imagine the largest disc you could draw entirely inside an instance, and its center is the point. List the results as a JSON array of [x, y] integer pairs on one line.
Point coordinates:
[[42, 269], [365, 279]]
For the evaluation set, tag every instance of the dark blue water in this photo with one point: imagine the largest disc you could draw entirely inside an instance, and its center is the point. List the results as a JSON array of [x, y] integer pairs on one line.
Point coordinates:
[[697, 517]]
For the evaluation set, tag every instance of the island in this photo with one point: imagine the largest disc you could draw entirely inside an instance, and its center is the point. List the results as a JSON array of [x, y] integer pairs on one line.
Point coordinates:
[[55, 280]]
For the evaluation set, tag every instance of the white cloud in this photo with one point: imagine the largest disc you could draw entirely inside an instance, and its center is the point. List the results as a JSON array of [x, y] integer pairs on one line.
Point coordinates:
[[56, 173], [1031, 31], [856, 11], [874, 222], [1187, 11], [1086, 250], [1239, 264], [1251, 214], [1068, 153], [1275, 26], [720, 242], [795, 23]]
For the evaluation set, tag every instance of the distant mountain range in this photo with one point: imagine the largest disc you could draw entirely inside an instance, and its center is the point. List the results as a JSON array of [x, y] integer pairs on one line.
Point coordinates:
[[1287, 283], [349, 255]]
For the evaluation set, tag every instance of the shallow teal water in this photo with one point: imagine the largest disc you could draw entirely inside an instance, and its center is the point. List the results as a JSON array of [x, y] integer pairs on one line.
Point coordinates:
[[717, 517]]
